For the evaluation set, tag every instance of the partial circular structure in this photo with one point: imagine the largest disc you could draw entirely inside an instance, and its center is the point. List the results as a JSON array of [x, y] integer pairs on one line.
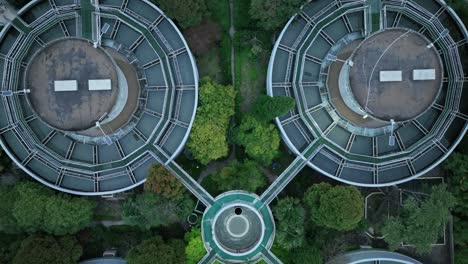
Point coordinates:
[[365, 256], [378, 86], [238, 227], [130, 103]]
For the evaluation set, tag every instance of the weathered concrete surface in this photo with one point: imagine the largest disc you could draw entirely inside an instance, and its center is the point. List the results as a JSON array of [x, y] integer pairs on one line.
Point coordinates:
[[71, 59]]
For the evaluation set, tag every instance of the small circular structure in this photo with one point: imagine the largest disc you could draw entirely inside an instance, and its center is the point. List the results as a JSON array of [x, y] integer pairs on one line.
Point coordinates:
[[238, 227], [401, 50], [71, 59], [348, 122]]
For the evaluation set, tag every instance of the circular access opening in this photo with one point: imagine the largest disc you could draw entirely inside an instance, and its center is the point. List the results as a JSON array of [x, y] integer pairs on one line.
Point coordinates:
[[238, 211], [396, 75], [71, 104]]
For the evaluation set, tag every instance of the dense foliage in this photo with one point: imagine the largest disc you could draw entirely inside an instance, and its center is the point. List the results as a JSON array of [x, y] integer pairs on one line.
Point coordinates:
[[162, 182], [195, 250], [266, 108], [307, 254], [8, 196], [273, 14], [457, 164], [41, 249], [290, 216], [339, 207], [150, 209], [240, 176], [421, 223], [186, 13], [157, 250], [208, 138], [31, 207], [260, 140]]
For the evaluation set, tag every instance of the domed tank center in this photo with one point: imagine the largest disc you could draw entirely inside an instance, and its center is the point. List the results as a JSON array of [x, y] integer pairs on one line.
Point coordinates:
[[72, 84], [395, 74], [238, 228]]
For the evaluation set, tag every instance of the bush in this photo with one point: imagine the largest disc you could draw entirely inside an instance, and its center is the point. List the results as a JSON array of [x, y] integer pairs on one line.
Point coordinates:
[[157, 250], [260, 140], [38, 208], [195, 250], [240, 176], [162, 182], [266, 108], [186, 13], [290, 216], [339, 207], [149, 210], [208, 139], [41, 249], [421, 222]]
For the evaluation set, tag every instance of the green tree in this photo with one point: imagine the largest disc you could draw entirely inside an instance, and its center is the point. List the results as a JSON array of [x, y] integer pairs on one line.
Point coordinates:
[[157, 250], [150, 209], [66, 215], [457, 165], [240, 176], [8, 196], [41, 249], [162, 182], [266, 108], [29, 209], [290, 216], [260, 140], [273, 13], [38, 208], [283, 254], [194, 250], [421, 222], [208, 138], [307, 254], [9, 246], [339, 207], [186, 13]]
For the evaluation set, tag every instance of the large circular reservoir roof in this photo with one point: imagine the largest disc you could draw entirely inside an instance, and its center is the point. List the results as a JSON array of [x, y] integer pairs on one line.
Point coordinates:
[[94, 92], [378, 86]]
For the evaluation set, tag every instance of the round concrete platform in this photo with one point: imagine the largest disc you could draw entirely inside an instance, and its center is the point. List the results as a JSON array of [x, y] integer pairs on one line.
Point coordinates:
[[71, 59], [395, 50], [238, 228]]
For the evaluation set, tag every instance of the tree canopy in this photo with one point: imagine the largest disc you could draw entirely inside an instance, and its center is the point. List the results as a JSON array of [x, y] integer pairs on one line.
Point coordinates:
[[266, 108], [260, 140], [290, 216], [273, 14], [208, 138], [38, 208], [8, 196], [240, 176], [162, 182], [42, 249], [339, 207], [457, 164], [421, 222], [307, 254], [157, 250], [150, 209], [186, 13], [195, 250]]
